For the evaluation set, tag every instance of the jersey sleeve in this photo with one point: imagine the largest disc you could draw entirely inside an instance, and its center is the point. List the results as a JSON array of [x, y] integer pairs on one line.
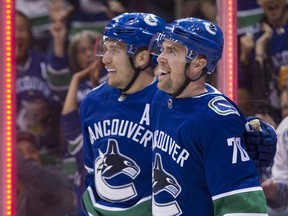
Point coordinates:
[[231, 176], [87, 148]]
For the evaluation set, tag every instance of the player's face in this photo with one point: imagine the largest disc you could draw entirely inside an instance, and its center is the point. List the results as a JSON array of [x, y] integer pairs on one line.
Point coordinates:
[[84, 52], [273, 9], [171, 67], [117, 64], [23, 38]]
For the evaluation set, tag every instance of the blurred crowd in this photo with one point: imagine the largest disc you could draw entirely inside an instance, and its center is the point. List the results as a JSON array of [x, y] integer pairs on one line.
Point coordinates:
[[57, 66]]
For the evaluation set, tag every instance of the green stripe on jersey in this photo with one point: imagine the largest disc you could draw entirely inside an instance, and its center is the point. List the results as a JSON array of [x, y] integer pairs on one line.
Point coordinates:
[[246, 202], [142, 209]]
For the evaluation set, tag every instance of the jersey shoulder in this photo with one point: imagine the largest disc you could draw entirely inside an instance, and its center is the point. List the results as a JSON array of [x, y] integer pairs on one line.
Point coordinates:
[[99, 92], [221, 106], [96, 95], [217, 103], [216, 109]]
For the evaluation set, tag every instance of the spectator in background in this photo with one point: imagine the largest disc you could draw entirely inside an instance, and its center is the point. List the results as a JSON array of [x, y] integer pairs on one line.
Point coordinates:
[[93, 14], [205, 9], [38, 107], [42, 190], [59, 75], [248, 14], [86, 15], [276, 186], [263, 54], [38, 15], [80, 53]]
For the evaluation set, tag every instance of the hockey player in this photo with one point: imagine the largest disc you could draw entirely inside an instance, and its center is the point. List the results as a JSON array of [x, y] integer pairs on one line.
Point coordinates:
[[116, 121], [116, 124], [200, 166]]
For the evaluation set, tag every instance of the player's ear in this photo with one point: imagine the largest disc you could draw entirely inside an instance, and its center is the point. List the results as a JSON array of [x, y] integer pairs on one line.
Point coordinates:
[[200, 64], [142, 59], [196, 67]]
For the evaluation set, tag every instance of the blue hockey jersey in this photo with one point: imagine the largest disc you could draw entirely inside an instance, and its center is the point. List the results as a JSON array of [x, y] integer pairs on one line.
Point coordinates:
[[117, 151], [200, 166]]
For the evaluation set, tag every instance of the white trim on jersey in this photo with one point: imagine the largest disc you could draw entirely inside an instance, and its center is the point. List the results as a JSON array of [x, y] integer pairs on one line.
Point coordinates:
[[97, 205], [237, 192], [245, 214]]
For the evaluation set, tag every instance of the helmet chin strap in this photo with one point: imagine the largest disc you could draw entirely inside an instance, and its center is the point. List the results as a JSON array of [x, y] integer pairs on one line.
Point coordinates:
[[187, 80], [136, 74]]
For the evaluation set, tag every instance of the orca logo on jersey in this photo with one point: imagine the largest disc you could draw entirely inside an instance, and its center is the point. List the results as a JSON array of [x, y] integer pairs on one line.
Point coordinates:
[[163, 181], [222, 107], [110, 165]]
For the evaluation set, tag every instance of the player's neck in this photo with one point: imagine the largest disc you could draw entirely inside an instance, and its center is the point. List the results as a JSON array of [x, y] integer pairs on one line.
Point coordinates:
[[143, 80], [194, 89]]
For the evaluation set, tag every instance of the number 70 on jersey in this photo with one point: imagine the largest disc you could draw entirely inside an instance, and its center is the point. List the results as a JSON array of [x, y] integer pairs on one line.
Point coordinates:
[[235, 142]]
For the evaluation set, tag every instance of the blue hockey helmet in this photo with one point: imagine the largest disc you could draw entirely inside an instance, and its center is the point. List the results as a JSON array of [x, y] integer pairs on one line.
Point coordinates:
[[134, 29], [200, 37]]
